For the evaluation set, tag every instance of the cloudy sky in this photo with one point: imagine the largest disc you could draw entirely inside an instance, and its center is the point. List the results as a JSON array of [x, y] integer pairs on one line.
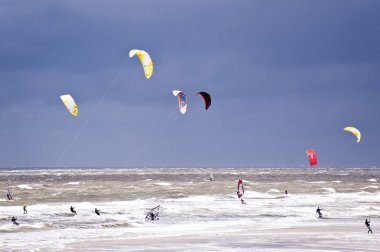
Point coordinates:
[[284, 76]]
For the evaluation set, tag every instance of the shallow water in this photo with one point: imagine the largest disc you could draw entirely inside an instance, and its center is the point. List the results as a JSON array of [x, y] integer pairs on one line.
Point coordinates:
[[197, 213]]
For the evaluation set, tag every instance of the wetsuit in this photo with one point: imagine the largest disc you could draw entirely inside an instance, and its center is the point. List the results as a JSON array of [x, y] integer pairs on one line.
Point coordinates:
[[9, 196], [25, 211], [14, 221], [97, 211], [368, 226], [318, 211], [72, 210]]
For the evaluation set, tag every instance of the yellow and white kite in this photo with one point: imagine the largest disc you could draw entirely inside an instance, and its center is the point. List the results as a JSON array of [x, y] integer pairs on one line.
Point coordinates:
[[70, 104], [354, 131], [145, 59]]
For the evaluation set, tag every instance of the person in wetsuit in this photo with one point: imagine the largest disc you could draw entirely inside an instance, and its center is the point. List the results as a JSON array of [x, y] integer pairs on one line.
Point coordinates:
[[97, 211], [152, 217], [9, 196], [14, 221], [286, 191], [318, 211], [72, 210], [367, 222], [24, 208]]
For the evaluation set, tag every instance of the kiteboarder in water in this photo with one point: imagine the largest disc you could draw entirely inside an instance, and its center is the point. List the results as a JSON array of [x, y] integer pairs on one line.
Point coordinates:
[[153, 214], [9, 194], [240, 191], [72, 210], [368, 226], [14, 221], [24, 208], [286, 191], [97, 211], [318, 211]]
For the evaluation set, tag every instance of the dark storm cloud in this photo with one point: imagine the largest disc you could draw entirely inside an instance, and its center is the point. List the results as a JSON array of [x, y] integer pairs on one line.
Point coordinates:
[[283, 76]]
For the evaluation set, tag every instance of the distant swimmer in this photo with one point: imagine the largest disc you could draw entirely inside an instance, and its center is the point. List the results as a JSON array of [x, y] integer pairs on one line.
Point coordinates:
[[318, 211], [72, 210], [97, 211], [368, 226], [25, 211], [14, 221]]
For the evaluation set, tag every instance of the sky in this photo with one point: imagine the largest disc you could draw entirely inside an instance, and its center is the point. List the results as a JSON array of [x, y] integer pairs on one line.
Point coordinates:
[[284, 76]]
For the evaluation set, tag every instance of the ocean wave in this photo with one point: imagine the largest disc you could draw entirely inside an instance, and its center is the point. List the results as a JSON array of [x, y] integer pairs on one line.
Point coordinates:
[[273, 190], [329, 189], [163, 184], [25, 186], [368, 187], [73, 183]]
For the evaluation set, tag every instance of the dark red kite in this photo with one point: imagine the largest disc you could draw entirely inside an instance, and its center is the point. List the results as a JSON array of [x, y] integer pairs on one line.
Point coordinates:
[[206, 98]]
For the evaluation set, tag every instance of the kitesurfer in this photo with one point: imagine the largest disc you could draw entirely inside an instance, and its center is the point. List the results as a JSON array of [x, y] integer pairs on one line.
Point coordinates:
[[9, 196], [240, 191], [97, 211], [318, 211], [25, 211], [152, 216], [14, 221], [286, 191], [72, 210], [368, 226]]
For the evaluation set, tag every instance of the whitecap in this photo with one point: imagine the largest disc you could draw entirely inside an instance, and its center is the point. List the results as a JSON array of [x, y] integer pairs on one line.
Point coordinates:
[[367, 187], [163, 184], [73, 183], [329, 189], [273, 190], [372, 180], [25, 186]]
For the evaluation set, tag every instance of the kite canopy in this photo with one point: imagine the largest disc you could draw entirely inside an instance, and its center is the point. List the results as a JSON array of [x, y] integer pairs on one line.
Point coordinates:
[[206, 98], [70, 104], [354, 131], [145, 59], [312, 157], [182, 104]]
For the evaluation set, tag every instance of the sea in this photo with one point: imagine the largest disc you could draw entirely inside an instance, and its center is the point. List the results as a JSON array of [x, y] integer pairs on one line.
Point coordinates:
[[196, 214]]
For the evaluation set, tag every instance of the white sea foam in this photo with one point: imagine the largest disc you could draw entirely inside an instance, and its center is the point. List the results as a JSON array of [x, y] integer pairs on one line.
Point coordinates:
[[163, 184], [329, 189], [25, 186], [371, 186], [273, 190], [73, 183]]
